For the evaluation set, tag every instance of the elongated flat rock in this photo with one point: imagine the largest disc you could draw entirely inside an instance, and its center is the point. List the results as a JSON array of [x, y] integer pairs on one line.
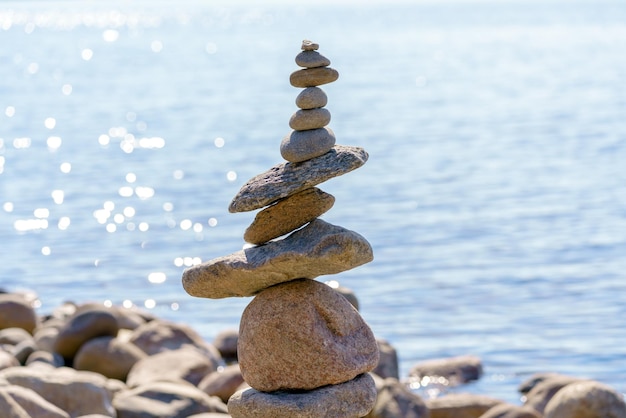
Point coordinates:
[[317, 249], [285, 179], [346, 400], [311, 77]]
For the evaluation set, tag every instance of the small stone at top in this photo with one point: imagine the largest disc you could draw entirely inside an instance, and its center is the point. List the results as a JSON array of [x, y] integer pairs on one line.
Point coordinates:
[[309, 45]]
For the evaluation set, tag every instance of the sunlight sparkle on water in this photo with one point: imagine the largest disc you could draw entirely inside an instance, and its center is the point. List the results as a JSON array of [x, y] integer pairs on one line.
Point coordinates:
[[129, 211], [21, 143], [46, 250], [8, 206], [86, 54], [131, 177], [149, 303], [66, 89], [157, 277], [66, 167], [64, 223], [231, 176], [50, 123], [9, 111], [104, 140], [58, 196], [110, 35], [212, 222], [219, 142], [54, 143], [144, 192]]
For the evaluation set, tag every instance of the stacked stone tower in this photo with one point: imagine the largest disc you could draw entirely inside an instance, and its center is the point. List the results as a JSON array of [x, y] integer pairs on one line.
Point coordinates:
[[303, 348]]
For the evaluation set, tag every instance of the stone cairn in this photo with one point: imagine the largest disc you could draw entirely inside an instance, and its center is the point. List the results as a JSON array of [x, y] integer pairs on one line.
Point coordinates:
[[303, 349]]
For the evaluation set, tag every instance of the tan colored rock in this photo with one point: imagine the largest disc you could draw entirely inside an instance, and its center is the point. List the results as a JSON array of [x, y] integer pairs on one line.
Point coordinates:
[[456, 370], [311, 77], [7, 360], [506, 410], [300, 146], [14, 336], [108, 356], [586, 399], [186, 364], [16, 311], [82, 327], [223, 383], [317, 249], [286, 179], [351, 399], [165, 399], [311, 59], [10, 408], [30, 402], [395, 400], [303, 335], [311, 98], [159, 335], [543, 390], [309, 119], [288, 214], [45, 357], [75, 392], [460, 405]]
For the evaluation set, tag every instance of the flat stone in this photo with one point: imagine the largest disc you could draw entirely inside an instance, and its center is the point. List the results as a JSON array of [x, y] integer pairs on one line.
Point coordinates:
[[299, 146], [311, 98], [303, 335], [586, 399], [347, 400], [506, 410], [317, 249], [311, 77], [288, 214], [309, 45], [538, 396], [311, 59], [286, 179], [309, 119], [456, 370], [460, 405]]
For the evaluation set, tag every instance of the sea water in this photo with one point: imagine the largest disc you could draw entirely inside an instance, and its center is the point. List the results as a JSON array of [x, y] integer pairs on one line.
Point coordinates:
[[494, 197]]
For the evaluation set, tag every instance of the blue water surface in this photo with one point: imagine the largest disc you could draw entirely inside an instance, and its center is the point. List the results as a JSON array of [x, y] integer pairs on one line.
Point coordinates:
[[494, 194]]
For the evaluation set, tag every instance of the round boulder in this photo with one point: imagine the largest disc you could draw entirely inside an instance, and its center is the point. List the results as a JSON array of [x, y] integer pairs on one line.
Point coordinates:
[[302, 335], [586, 399], [108, 356], [16, 311]]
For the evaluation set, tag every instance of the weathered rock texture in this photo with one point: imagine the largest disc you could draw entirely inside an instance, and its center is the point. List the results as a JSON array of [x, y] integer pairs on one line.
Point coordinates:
[[286, 179], [347, 400], [317, 249]]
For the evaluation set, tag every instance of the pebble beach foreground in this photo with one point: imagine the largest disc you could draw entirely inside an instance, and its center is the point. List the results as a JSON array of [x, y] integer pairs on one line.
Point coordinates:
[[89, 360]]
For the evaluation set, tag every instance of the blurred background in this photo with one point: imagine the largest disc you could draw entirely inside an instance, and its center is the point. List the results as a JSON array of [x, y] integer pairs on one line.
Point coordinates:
[[494, 194]]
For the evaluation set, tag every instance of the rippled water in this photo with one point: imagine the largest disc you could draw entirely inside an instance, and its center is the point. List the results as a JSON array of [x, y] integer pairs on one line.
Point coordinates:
[[494, 195]]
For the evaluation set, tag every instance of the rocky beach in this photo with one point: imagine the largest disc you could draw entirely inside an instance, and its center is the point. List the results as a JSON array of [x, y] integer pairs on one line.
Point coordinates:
[[302, 348]]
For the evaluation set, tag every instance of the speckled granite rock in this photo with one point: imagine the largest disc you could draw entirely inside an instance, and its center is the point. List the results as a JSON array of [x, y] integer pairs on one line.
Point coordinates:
[[328, 344]]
